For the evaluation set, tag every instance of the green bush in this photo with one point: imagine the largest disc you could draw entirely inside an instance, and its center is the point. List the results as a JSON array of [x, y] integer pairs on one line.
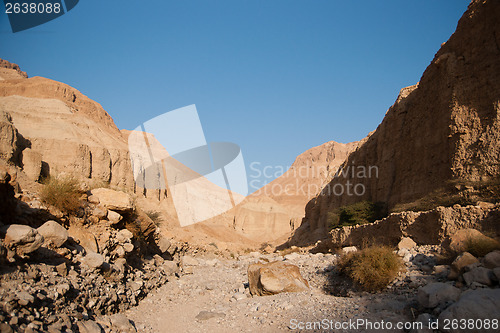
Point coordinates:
[[359, 213], [62, 193], [372, 268]]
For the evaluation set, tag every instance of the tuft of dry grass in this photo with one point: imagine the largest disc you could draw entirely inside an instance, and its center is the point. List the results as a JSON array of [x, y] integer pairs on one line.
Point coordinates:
[[372, 268], [62, 193], [480, 246]]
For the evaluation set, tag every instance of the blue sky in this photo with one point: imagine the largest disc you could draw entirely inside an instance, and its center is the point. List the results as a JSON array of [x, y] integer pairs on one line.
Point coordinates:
[[276, 77]]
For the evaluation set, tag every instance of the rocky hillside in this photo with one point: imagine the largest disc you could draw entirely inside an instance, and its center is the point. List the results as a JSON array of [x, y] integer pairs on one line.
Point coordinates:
[[443, 129]]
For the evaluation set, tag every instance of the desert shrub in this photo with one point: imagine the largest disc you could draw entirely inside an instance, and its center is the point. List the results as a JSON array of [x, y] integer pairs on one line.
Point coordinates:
[[62, 193], [154, 216], [371, 269], [362, 212], [480, 246]]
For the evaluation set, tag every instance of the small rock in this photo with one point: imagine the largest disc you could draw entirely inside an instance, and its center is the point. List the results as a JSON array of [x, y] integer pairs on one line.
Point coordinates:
[[114, 200], [189, 261], [24, 298], [122, 323], [89, 326], [349, 249], [124, 236], [458, 265], [239, 296], [170, 267], [114, 217], [206, 315], [5, 328], [163, 244], [100, 212], [93, 260], [128, 247], [406, 243], [292, 256], [62, 269]]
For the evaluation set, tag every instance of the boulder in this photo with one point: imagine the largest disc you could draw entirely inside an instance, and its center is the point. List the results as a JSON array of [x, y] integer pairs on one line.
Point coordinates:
[[480, 275], [93, 260], [406, 243], [21, 238], [479, 304], [462, 239], [460, 262], [274, 278], [114, 217], [437, 293], [114, 200], [492, 259], [53, 233]]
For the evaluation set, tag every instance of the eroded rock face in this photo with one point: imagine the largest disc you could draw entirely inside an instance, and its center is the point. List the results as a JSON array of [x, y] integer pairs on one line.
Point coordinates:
[[456, 104], [72, 133], [274, 278]]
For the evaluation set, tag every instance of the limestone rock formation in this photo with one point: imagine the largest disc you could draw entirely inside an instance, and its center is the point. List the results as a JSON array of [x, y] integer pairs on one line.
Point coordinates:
[[444, 128]]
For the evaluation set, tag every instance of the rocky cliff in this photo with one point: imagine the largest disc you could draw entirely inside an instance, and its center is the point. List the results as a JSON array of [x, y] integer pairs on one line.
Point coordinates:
[[444, 128], [53, 128]]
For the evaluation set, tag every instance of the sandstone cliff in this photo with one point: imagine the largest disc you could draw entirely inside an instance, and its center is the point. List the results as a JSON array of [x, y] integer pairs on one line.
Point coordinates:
[[445, 128], [275, 210], [57, 129]]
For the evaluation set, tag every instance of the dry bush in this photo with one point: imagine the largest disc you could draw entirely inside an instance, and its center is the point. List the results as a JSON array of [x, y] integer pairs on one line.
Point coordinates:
[[62, 193], [373, 268], [480, 246]]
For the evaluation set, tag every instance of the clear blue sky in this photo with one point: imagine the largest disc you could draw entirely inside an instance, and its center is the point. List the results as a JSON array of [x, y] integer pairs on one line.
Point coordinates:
[[276, 77]]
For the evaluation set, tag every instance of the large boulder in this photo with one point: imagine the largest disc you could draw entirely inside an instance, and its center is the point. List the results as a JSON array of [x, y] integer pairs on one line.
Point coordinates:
[[465, 238], [21, 238], [492, 259], [437, 293], [274, 278], [113, 200], [477, 305], [53, 233]]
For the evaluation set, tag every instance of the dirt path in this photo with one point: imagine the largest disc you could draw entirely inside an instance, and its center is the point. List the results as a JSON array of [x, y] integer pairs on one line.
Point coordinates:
[[215, 298]]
